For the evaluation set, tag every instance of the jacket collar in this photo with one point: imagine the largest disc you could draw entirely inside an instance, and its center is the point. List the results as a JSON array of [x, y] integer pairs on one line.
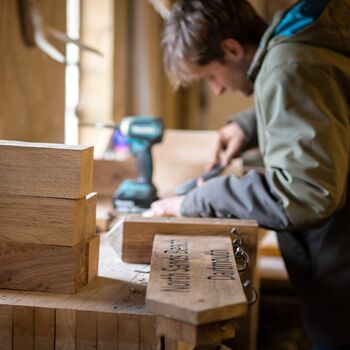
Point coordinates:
[[263, 47]]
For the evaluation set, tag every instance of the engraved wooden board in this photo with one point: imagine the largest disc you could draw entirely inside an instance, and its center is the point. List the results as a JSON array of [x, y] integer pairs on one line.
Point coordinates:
[[137, 233], [194, 279]]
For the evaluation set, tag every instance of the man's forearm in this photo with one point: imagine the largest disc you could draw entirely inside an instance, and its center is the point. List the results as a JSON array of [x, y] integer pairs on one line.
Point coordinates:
[[247, 122], [249, 197]]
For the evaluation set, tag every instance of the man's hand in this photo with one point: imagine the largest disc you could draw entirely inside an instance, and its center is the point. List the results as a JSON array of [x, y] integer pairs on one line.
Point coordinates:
[[229, 144], [165, 207]]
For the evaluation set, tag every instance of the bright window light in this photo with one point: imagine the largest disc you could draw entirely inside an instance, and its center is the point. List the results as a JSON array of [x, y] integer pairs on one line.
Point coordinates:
[[72, 74]]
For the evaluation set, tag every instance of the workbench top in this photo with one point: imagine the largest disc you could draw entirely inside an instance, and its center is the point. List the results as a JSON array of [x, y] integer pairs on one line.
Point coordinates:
[[119, 287]]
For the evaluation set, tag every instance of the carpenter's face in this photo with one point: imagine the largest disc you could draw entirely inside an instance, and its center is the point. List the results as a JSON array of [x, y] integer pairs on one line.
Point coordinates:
[[226, 76]]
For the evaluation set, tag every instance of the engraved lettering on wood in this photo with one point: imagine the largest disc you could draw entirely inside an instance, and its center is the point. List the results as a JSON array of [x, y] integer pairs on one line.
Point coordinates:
[[221, 265], [176, 267], [194, 279]]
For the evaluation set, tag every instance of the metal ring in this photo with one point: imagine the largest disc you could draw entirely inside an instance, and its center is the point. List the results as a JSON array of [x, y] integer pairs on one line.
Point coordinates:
[[242, 258], [236, 238], [254, 294]]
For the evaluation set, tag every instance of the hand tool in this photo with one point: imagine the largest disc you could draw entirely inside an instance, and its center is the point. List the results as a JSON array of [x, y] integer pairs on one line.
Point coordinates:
[[142, 132], [191, 184]]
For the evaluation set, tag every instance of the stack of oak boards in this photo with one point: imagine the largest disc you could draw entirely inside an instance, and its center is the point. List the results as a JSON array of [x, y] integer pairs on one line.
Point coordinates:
[[48, 238]]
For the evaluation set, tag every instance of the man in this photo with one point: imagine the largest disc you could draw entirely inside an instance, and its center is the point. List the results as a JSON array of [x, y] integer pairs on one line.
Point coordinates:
[[299, 70]]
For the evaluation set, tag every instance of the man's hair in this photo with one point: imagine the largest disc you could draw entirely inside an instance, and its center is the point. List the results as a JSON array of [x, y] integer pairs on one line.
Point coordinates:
[[195, 30]]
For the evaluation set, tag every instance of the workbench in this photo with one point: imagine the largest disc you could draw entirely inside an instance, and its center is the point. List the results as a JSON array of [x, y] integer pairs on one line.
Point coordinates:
[[100, 316], [109, 313]]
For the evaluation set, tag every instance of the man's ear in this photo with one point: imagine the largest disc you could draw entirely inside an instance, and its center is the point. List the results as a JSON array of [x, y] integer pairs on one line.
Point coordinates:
[[233, 50]]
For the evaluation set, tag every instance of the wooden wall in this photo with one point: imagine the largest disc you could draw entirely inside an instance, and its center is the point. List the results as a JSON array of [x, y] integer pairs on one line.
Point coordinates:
[[130, 79], [31, 84]]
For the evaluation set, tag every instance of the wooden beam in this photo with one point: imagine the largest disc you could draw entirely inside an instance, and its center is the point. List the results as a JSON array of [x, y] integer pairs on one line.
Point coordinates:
[[23, 328], [89, 221], [6, 327], [86, 330], [128, 340], [117, 296], [65, 326], [45, 170], [39, 267], [194, 279], [53, 221], [121, 62], [93, 253], [148, 336], [137, 233], [207, 334], [44, 329], [107, 330]]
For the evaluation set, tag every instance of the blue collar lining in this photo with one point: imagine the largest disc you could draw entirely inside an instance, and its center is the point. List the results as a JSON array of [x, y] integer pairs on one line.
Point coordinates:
[[301, 15]]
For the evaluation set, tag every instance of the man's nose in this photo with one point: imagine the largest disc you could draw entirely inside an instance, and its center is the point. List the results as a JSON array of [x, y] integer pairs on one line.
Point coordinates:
[[216, 88]]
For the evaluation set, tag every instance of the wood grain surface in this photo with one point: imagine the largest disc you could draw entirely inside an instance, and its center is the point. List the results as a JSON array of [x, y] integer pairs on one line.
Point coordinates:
[[183, 155], [137, 233], [93, 253], [206, 334], [45, 170], [113, 305], [44, 329], [53, 221], [39, 267], [32, 85], [194, 279]]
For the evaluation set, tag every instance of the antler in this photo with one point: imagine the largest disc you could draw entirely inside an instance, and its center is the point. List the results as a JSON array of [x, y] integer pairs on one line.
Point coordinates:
[[34, 32], [162, 7]]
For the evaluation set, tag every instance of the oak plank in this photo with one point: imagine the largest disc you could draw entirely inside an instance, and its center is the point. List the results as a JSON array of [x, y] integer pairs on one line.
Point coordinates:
[[6, 322], [128, 332], [23, 328], [45, 170], [52, 221], [86, 330], [113, 291], [118, 290], [171, 344], [207, 334], [138, 232], [194, 279], [137, 235], [39, 267], [148, 336], [107, 331], [93, 251], [44, 329], [65, 329]]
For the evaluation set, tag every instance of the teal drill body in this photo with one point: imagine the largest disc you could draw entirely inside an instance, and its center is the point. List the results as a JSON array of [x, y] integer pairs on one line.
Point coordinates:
[[142, 132]]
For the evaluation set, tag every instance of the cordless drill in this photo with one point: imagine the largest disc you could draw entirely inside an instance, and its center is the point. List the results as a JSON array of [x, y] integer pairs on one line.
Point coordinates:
[[141, 132]]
